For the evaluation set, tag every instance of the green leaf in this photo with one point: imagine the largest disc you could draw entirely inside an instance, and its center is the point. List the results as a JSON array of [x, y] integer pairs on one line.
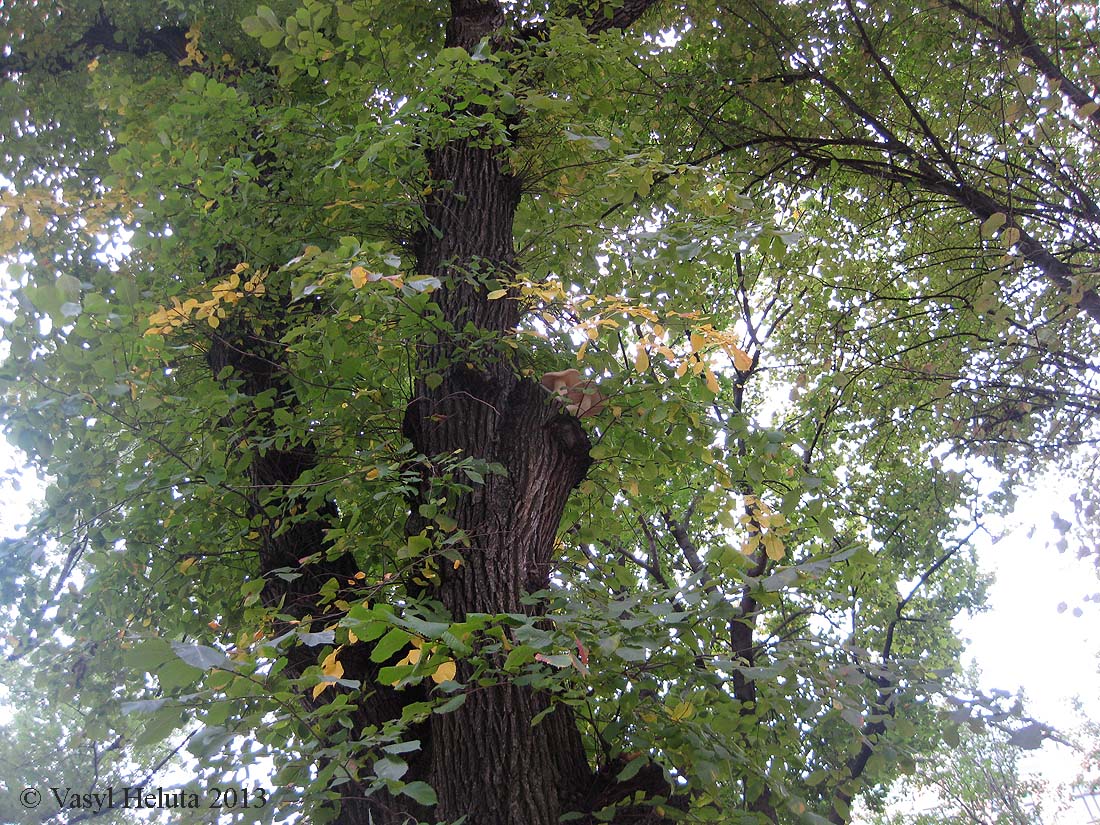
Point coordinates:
[[422, 792], [451, 704], [267, 16], [396, 639], [993, 223], [269, 40], [390, 768], [415, 546], [177, 674], [631, 769], [202, 656], [159, 728], [519, 656], [403, 747], [142, 705], [596, 142], [422, 627], [149, 654]]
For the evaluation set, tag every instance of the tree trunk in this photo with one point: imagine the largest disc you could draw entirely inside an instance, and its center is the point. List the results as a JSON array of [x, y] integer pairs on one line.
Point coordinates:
[[485, 759], [488, 762]]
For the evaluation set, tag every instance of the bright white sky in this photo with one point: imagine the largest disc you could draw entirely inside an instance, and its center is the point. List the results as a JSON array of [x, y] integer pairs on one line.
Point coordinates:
[[1025, 642]]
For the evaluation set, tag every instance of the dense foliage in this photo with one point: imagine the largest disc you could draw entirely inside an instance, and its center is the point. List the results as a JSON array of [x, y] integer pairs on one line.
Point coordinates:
[[291, 287]]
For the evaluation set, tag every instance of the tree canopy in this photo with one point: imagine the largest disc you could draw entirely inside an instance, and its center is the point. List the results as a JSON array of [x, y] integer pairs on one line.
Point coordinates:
[[529, 412]]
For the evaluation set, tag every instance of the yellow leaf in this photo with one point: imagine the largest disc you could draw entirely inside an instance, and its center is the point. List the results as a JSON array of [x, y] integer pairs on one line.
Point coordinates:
[[372, 474], [741, 359], [213, 321], [332, 666], [414, 654], [445, 672], [773, 546], [358, 277], [683, 368], [581, 351], [712, 382], [697, 342], [497, 294], [684, 710], [186, 564], [1010, 236], [641, 360], [593, 333]]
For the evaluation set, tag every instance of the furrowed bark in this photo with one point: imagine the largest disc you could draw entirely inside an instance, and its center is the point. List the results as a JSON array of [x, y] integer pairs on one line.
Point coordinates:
[[488, 762]]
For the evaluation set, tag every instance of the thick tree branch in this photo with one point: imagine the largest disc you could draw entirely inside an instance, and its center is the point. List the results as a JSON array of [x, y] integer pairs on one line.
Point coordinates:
[[473, 20], [616, 14]]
